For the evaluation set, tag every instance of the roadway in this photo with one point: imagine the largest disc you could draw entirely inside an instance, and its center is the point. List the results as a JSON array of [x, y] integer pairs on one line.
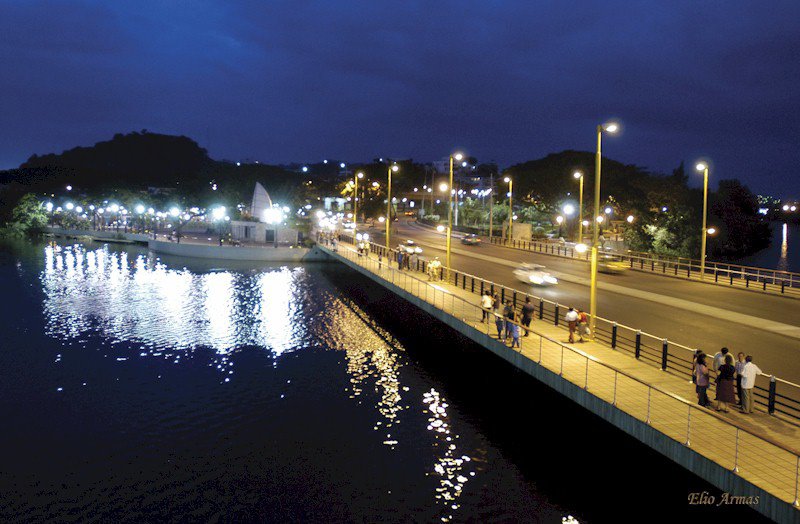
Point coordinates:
[[694, 314]]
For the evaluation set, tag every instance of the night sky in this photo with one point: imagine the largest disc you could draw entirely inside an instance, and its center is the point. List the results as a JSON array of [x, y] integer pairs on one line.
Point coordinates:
[[505, 81]]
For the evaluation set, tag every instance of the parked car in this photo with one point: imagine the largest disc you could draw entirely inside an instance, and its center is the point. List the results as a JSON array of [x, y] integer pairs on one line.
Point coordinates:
[[534, 274], [611, 264], [471, 240]]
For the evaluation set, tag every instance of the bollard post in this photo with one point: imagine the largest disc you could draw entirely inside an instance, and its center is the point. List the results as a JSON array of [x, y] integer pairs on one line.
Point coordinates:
[[731, 274], [765, 285], [556, 319], [491, 289], [771, 400], [514, 299], [503, 295], [638, 350], [541, 308], [613, 335], [472, 288], [455, 275], [783, 284], [747, 281], [481, 287], [664, 352]]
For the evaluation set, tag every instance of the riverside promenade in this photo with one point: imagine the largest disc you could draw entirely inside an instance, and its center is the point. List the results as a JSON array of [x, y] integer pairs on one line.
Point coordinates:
[[754, 458]]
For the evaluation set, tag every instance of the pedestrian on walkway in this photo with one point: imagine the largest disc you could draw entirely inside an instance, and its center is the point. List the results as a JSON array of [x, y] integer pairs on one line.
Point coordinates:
[[719, 359], [701, 372], [486, 306], [380, 260], [400, 260], [739, 368], [583, 325], [725, 376], [499, 322], [528, 310], [749, 373], [697, 353], [572, 322], [508, 313], [514, 329]]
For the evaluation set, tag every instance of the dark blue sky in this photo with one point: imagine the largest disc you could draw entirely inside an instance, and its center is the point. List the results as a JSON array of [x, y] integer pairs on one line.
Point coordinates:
[[506, 81]]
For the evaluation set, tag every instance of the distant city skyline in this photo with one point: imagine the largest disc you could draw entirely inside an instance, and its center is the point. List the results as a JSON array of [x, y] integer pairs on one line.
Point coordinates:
[[507, 82]]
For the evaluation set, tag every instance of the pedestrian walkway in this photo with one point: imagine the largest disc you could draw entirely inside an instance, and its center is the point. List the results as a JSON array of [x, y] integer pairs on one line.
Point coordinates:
[[760, 448]]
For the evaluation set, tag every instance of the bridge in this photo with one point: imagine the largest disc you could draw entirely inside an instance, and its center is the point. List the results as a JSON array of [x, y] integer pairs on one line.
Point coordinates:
[[638, 387]]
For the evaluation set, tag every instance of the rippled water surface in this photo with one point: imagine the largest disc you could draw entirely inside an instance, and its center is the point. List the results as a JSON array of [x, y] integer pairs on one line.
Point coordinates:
[[144, 389]]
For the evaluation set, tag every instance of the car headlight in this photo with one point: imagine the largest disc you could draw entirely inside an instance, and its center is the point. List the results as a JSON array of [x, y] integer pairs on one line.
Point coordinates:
[[536, 279], [551, 280]]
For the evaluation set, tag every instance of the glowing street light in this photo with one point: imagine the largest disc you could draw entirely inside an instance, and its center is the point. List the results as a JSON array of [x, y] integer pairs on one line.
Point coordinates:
[[609, 127], [630, 219], [569, 209], [711, 230], [440, 228], [510, 183], [139, 209], [579, 176], [703, 167], [355, 200], [443, 187], [174, 212], [69, 206], [392, 169]]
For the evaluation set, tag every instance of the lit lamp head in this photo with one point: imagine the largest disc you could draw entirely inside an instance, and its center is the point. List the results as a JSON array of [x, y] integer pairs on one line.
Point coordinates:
[[458, 156], [360, 174], [600, 219], [395, 168], [139, 209], [439, 228], [381, 219], [610, 127], [630, 219], [577, 175], [701, 166], [506, 180], [442, 187], [569, 209], [711, 230], [559, 219]]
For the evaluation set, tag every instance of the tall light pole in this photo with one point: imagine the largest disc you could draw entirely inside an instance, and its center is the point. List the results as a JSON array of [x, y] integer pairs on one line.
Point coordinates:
[[491, 205], [704, 168], [392, 168], [355, 202], [579, 176], [510, 183], [609, 128], [457, 156]]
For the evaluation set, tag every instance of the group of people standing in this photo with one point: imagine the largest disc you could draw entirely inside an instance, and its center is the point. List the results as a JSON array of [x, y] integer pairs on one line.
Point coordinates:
[[741, 373], [506, 318]]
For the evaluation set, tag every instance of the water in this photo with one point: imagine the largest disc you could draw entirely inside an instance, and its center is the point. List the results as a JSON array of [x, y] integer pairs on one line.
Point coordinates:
[[155, 389], [783, 254]]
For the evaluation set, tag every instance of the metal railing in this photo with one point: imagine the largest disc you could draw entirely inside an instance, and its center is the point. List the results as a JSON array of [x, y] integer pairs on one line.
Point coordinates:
[[769, 280], [773, 394], [761, 460]]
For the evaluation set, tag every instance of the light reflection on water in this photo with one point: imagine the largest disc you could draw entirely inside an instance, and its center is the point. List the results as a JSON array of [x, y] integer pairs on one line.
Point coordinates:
[[135, 298]]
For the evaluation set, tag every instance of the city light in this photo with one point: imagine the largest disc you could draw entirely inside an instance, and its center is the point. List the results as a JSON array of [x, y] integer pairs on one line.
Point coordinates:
[[569, 209], [559, 219], [79, 209], [375, 184], [305, 169], [49, 206], [786, 207], [360, 174], [440, 228], [218, 213], [69, 206], [611, 127], [600, 219], [442, 187], [458, 156], [630, 219], [381, 219], [701, 166], [69, 188], [342, 165], [139, 209], [581, 248], [711, 230], [577, 174], [608, 210], [174, 212], [395, 168]]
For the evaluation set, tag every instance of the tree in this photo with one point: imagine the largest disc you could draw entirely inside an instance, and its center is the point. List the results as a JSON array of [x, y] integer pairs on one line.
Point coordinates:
[[734, 211], [28, 216]]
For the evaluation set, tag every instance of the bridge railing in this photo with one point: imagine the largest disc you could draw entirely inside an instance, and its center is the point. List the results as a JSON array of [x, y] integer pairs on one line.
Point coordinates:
[[776, 396], [772, 280], [761, 460]]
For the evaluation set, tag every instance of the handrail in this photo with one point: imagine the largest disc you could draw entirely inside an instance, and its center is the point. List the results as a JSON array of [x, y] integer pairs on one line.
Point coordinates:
[[690, 405]]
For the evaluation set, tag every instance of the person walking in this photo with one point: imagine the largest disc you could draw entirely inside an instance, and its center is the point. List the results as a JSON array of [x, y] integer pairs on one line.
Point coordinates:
[[572, 322], [583, 324], [508, 313], [719, 359], [499, 323], [514, 328], [528, 310], [749, 373], [701, 372], [486, 306], [739, 368], [400, 260], [725, 377]]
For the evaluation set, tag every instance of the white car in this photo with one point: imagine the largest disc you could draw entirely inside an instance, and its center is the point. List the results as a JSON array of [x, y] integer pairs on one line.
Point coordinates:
[[534, 274], [410, 247]]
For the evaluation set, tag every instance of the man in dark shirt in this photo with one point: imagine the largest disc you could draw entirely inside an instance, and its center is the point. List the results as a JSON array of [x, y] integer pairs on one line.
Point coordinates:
[[528, 311]]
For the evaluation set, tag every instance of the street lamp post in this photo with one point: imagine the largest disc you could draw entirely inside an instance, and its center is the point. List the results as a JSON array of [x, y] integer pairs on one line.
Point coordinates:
[[491, 205], [457, 156], [510, 207], [393, 168], [579, 176], [355, 202], [609, 128], [704, 168]]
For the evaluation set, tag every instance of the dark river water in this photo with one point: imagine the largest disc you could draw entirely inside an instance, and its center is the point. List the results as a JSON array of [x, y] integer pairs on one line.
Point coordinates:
[[783, 254], [144, 389]]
